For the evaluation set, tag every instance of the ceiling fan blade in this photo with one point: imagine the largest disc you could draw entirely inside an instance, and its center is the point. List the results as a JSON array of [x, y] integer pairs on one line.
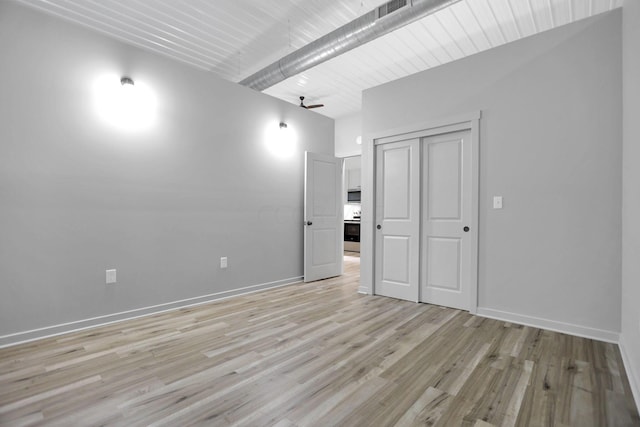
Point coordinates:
[[314, 106]]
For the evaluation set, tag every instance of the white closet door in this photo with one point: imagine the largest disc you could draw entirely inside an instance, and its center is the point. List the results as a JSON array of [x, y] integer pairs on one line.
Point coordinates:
[[397, 215], [446, 212]]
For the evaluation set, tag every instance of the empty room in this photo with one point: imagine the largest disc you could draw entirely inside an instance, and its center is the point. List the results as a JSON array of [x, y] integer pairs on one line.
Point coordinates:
[[320, 213]]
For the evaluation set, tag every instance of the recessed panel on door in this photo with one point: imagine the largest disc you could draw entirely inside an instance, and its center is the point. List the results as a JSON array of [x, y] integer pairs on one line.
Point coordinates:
[[324, 201], [443, 260], [396, 269], [324, 240], [397, 183], [444, 182]]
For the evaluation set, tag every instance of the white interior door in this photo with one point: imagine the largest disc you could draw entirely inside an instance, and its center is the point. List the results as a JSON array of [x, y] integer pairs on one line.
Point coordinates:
[[447, 208], [397, 219], [323, 217]]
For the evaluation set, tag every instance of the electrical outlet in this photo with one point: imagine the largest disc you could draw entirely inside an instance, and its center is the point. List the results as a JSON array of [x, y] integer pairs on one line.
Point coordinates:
[[111, 276], [223, 262]]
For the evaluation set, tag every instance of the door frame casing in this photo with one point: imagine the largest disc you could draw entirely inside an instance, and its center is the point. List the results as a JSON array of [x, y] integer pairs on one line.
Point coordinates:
[[467, 121]]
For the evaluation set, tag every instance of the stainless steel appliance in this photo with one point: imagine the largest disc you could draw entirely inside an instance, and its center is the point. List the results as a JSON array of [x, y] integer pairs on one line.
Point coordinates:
[[352, 236], [353, 196]]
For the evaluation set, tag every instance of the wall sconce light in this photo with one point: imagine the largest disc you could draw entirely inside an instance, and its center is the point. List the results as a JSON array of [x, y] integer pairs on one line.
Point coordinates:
[[128, 106], [281, 140]]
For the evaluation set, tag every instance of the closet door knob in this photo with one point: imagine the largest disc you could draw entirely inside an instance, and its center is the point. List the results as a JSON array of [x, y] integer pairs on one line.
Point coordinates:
[[466, 229]]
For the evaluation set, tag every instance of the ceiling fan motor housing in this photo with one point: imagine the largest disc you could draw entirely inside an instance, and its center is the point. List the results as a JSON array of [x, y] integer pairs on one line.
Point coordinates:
[[309, 106]]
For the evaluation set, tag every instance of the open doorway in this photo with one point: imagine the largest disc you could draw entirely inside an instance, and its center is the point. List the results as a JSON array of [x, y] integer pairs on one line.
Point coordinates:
[[352, 178]]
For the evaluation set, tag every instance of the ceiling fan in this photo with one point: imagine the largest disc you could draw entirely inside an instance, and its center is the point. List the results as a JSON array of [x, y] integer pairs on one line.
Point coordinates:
[[309, 106]]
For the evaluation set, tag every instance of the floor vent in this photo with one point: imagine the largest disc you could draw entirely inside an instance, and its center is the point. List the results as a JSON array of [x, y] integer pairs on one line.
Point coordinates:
[[391, 7]]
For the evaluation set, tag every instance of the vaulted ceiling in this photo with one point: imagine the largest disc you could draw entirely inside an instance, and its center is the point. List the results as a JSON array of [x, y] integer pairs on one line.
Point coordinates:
[[235, 38]]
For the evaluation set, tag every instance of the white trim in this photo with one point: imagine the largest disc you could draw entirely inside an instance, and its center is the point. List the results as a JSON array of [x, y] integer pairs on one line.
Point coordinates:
[[551, 325], [428, 125], [425, 133], [79, 325], [367, 216], [475, 220], [363, 290], [632, 375]]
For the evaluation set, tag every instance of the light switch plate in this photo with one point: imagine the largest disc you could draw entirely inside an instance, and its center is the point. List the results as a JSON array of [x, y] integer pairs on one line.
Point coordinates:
[[497, 202], [223, 262], [111, 276]]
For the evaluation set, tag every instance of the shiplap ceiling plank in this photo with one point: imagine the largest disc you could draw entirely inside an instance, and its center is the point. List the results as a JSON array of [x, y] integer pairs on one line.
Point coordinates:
[[473, 29], [542, 14], [485, 18], [522, 13], [452, 25], [503, 12], [235, 38], [415, 47], [579, 9]]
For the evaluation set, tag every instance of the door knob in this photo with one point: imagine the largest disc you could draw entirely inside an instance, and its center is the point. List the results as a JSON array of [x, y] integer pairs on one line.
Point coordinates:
[[309, 223], [466, 229], [378, 226]]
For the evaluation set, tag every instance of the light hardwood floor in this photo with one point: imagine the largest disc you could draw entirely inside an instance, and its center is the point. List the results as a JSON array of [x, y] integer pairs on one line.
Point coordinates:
[[315, 354]]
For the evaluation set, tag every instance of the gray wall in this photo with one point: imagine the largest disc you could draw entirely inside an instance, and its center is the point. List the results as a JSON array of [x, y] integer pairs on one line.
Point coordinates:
[[550, 144], [348, 128], [161, 206], [630, 338]]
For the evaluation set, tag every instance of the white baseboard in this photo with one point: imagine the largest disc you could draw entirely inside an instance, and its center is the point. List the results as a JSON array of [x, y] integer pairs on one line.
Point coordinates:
[[363, 290], [632, 374], [552, 325], [63, 328]]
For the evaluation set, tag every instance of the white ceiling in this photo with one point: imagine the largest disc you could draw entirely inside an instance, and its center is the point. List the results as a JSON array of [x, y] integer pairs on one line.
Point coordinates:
[[235, 38]]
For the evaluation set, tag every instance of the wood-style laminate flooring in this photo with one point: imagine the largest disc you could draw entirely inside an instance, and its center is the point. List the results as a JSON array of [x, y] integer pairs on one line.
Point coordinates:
[[315, 354]]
